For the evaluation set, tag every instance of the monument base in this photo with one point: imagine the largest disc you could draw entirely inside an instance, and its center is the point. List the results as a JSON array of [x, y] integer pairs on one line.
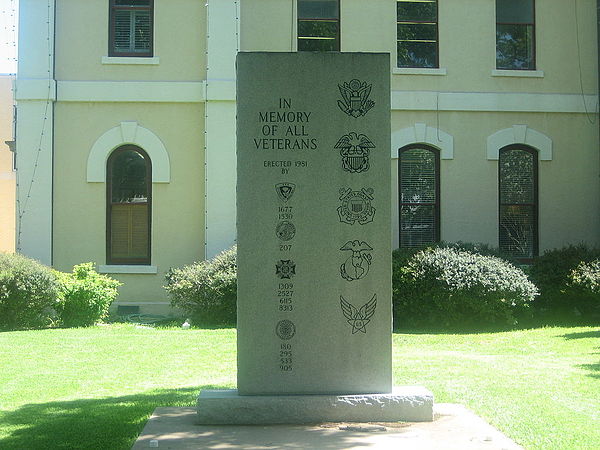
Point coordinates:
[[404, 404]]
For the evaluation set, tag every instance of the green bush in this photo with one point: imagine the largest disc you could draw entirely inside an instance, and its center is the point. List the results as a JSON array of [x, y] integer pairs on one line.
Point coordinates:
[[561, 276], [449, 287], [28, 293], [206, 291], [586, 277], [85, 296]]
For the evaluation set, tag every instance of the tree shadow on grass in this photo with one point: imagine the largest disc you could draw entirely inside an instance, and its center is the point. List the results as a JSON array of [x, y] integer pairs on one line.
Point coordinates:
[[100, 423], [582, 335]]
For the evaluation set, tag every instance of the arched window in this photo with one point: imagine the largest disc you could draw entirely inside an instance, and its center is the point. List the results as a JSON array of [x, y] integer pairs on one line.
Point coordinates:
[[518, 199], [419, 193], [128, 209]]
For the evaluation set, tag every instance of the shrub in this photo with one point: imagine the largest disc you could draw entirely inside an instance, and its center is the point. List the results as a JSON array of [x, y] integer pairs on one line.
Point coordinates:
[[206, 291], [561, 275], [586, 277], [28, 293], [449, 287], [85, 296]]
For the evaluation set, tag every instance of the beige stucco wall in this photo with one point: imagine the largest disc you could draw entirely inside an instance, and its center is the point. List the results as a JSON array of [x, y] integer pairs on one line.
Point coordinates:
[[179, 42], [177, 207], [7, 175], [568, 185]]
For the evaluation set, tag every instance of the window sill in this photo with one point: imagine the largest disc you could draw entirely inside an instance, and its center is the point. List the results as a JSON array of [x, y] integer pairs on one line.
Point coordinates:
[[417, 71], [128, 269], [131, 60], [518, 73]]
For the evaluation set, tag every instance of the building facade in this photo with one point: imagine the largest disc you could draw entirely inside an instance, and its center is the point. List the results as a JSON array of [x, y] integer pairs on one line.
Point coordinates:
[[126, 123], [8, 176]]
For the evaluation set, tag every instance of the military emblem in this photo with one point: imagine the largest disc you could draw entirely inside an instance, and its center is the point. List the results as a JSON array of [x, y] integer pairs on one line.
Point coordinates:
[[358, 264], [359, 318], [356, 206], [355, 98], [285, 230], [354, 149], [285, 329], [285, 190], [285, 268]]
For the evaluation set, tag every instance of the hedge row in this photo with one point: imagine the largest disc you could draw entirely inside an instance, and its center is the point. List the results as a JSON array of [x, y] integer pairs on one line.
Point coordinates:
[[35, 296]]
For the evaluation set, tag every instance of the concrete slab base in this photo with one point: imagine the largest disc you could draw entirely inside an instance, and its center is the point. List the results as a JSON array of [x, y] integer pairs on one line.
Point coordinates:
[[454, 428], [227, 407]]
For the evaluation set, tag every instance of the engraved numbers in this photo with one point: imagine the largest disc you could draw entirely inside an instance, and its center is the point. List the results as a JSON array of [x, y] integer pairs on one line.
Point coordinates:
[[285, 358]]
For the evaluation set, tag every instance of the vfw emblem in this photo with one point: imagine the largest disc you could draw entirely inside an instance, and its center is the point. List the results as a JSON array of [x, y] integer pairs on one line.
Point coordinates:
[[358, 318], [356, 206], [355, 98], [358, 264], [354, 150]]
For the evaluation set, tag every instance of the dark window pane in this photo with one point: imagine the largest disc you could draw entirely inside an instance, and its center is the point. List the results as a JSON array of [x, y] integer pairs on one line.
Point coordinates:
[[517, 230], [317, 45], [514, 11], [142, 31], [417, 225], [418, 32], [417, 11], [517, 177], [313, 28], [318, 9], [128, 178], [417, 54], [132, 2], [514, 47]]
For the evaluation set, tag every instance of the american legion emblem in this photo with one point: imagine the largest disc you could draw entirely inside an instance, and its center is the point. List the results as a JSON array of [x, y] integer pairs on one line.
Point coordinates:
[[354, 150], [358, 318], [285, 190], [285, 329], [355, 98], [356, 206]]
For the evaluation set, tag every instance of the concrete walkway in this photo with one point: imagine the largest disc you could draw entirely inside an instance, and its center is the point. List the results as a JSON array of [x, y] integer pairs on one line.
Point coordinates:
[[454, 428]]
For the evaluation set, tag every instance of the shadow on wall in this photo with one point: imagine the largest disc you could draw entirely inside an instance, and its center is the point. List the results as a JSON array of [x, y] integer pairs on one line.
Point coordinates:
[[101, 423]]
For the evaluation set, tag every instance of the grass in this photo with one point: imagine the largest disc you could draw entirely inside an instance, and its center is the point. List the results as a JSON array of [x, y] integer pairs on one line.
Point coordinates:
[[96, 387]]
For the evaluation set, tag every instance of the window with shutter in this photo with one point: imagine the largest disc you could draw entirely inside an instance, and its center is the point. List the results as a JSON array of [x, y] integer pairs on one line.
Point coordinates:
[[419, 187], [318, 25], [517, 176], [128, 206], [131, 27]]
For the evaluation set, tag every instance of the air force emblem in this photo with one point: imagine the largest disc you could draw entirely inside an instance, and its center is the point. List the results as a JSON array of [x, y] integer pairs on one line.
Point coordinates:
[[354, 150], [285, 190], [359, 318], [356, 206], [355, 98]]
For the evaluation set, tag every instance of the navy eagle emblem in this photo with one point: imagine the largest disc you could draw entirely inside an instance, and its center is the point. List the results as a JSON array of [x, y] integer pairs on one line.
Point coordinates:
[[359, 318]]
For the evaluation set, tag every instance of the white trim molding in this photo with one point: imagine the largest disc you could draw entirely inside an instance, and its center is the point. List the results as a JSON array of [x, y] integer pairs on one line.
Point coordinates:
[[128, 269], [518, 73], [131, 91], [152, 61], [420, 133], [519, 134], [128, 133], [418, 71]]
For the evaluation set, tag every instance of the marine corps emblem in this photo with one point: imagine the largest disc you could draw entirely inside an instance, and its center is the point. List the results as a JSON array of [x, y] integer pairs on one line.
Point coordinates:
[[356, 206], [359, 318], [355, 98], [354, 150], [285, 190], [358, 264], [285, 230], [285, 268], [285, 329]]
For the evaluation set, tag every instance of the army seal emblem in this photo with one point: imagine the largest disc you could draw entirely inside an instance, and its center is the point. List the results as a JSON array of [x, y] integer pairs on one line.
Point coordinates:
[[285, 329], [355, 98], [285, 268], [285, 230], [356, 206], [358, 264], [354, 150], [285, 191], [359, 318]]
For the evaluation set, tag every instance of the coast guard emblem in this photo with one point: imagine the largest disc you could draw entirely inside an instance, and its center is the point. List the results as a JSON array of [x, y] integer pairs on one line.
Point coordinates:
[[359, 318], [356, 206], [354, 150], [355, 98], [285, 190]]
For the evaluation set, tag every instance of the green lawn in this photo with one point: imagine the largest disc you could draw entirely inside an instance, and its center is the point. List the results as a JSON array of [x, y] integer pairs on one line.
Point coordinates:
[[96, 387]]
